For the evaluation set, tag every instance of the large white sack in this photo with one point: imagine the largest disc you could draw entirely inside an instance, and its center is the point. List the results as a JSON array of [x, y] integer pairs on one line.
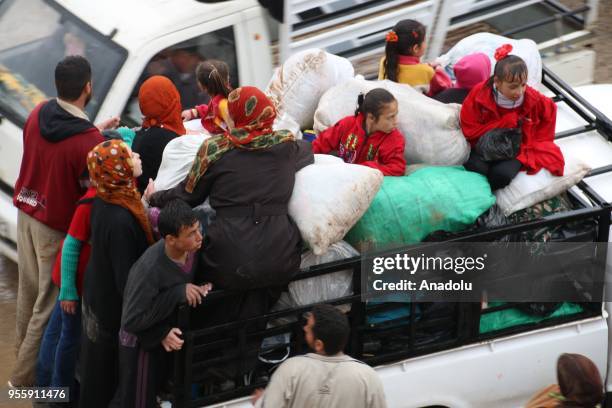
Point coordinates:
[[284, 121], [328, 199], [487, 43], [177, 159], [527, 190], [324, 287], [297, 85], [194, 125], [431, 128], [327, 159]]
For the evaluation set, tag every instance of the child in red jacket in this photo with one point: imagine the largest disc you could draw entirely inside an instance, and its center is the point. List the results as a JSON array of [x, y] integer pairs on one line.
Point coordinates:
[[370, 137], [505, 101], [213, 78]]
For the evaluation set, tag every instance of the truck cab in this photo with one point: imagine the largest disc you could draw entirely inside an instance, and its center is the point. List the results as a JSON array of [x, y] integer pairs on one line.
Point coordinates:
[[142, 38], [127, 42]]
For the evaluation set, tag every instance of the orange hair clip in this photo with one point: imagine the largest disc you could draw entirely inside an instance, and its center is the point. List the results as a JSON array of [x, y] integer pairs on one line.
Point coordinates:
[[391, 37]]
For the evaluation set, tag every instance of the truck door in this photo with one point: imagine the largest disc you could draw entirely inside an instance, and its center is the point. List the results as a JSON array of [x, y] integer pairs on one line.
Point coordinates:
[[235, 40]]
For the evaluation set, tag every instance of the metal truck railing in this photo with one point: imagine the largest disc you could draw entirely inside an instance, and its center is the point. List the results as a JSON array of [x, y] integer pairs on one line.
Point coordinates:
[[232, 347], [356, 29]]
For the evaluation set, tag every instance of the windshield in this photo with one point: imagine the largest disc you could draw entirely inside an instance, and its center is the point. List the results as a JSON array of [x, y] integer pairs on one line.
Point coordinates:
[[34, 36]]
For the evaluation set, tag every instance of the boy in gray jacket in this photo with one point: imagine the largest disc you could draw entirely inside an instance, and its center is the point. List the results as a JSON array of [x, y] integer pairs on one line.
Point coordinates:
[[158, 283]]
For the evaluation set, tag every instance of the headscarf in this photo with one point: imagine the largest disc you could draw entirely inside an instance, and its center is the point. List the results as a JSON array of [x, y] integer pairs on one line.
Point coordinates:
[[579, 381], [472, 70], [251, 115], [111, 172], [160, 102]]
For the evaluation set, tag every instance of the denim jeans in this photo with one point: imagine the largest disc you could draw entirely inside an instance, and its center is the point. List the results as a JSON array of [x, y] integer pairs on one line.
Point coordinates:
[[59, 349]]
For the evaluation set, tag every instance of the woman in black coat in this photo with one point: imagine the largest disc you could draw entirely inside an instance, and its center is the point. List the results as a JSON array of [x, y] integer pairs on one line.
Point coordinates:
[[248, 173]]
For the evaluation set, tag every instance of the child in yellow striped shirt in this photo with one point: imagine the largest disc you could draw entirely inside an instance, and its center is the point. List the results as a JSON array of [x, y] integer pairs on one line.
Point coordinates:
[[402, 61]]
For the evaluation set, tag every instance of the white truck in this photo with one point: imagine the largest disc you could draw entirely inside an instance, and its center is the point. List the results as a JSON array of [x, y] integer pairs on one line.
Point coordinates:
[[457, 359], [127, 41]]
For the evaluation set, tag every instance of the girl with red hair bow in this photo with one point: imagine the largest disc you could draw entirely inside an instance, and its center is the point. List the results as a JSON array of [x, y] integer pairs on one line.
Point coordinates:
[[405, 45], [505, 101]]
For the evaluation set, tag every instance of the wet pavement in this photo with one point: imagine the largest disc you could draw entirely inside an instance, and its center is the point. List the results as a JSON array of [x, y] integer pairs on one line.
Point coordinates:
[[8, 296]]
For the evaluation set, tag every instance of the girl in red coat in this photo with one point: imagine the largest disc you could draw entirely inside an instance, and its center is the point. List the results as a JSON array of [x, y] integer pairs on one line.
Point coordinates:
[[213, 78], [505, 101], [370, 137]]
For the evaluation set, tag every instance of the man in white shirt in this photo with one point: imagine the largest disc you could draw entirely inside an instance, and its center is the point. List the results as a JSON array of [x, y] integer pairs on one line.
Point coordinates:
[[326, 378]]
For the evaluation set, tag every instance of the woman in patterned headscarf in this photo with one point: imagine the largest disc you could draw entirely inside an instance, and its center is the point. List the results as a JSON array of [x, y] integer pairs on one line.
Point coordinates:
[[248, 173], [120, 233]]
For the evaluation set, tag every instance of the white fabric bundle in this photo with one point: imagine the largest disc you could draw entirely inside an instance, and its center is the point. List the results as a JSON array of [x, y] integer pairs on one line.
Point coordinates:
[[177, 160], [329, 198], [324, 287], [431, 129], [297, 85], [527, 190], [487, 43]]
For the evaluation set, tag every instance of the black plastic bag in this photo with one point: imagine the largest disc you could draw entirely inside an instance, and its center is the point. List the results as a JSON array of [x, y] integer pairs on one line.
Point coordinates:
[[500, 144]]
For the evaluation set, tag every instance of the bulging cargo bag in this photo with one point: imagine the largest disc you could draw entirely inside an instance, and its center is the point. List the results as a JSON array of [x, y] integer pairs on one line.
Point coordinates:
[[329, 197], [308, 291], [526, 190], [177, 160], [409, 208], [499, 144], [487, 43], [297, 85], [431, 128]]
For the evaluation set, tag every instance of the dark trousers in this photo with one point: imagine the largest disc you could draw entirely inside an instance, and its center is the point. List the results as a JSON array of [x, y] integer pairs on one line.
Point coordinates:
[[499, 173], [59, 349], [99, 364]]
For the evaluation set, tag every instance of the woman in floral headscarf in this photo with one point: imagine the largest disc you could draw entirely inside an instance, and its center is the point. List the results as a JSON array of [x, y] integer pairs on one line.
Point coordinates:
[[160, 103], [248, 173], [120, 233]]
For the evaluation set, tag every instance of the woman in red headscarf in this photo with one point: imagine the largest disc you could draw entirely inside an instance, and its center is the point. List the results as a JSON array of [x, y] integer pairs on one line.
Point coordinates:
[[120, 233], [248, 173], [160, 103]]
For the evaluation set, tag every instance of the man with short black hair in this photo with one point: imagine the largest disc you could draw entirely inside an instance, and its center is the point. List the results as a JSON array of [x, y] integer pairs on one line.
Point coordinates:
[[157, 284], [56, 139], [327, 378]]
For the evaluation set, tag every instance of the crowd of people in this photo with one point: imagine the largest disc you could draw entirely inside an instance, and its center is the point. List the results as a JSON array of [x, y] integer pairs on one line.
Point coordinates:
[[101, 273]]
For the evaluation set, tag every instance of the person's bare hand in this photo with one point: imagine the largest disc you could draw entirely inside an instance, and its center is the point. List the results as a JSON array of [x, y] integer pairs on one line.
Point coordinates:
[[189, 114], [111, 123], [69, 306], [172, 341], [149, 190], [186, 115], [207, 287], [195, 293], [257, 394]]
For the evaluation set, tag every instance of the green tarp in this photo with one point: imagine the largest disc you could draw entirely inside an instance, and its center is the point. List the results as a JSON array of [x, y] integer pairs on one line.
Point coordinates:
[[503, 319], [407, 209]]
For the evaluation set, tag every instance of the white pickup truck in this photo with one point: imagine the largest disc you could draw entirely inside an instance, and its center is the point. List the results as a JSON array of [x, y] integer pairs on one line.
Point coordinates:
[[472, 364], [501, 370], [127, 41]]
